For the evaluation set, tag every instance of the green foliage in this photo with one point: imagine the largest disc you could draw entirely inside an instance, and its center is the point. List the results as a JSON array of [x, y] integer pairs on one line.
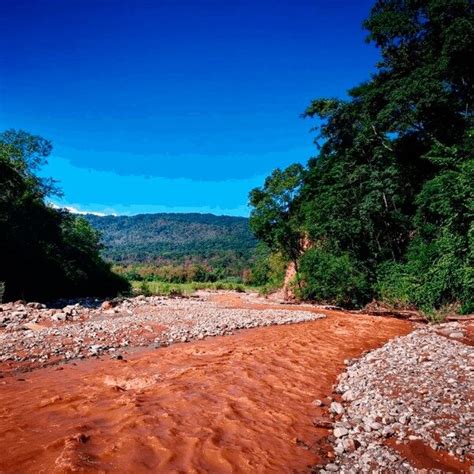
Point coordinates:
[[394, 285], [439, 267], [168, 273], [268, 269], [159, 288], [178, 247], [176, 291], [273, 219], [389, 198], [333, 279], [144, 289], [46, 253]]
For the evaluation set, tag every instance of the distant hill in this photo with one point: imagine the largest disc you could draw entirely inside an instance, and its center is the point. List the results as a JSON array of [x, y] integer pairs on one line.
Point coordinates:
[[175, 238]]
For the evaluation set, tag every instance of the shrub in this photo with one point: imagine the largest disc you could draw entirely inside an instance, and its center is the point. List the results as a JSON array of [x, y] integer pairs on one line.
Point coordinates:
[[435, 274], [175, 291], [268, 269], [394, 285], [144, 289], [334, 279]]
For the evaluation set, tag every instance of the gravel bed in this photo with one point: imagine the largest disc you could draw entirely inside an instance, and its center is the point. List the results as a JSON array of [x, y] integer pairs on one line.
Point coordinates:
[[416, 388], [33, 334]]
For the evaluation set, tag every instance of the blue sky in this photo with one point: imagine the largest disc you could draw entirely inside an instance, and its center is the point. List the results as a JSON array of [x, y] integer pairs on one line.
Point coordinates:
[[156, 106]]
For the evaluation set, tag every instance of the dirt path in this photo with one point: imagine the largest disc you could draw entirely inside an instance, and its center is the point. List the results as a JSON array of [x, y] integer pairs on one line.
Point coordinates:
[[239, 403]]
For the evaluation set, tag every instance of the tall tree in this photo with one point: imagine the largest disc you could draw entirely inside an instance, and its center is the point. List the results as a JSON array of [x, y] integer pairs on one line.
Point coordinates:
[[45, 252], [274, 218], [389, 196]]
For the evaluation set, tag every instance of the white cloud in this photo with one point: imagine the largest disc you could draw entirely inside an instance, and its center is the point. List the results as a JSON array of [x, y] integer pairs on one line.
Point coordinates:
[[75, 210]]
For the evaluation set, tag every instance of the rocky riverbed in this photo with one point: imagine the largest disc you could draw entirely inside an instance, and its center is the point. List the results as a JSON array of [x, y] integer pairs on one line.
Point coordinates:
[[413, 395], [404, 407], [242, 403], [34, 335]]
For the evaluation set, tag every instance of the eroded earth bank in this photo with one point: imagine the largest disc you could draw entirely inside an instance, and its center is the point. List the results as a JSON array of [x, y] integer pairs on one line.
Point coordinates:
[[141, 386]]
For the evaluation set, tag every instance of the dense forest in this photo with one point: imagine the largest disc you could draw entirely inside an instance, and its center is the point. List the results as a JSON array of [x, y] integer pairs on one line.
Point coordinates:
[[45, 252], [177, 247], [385, 209], [173, 237]]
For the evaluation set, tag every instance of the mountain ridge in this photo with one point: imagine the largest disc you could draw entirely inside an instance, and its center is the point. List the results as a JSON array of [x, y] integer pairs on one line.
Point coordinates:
[[174, 237]]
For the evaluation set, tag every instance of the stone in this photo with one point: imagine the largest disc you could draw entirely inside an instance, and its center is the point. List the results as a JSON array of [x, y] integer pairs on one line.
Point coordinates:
[[336, 408], [322, 423], [36, 305], [339, 449], [94, 349], [402, 388], [404, 419], [106, 305], [350, 445], [348, 396], [387, 431], [340, 432], [375, 426]]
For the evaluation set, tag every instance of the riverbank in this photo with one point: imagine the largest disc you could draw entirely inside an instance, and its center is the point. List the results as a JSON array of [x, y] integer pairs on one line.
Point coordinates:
[[239, 403]]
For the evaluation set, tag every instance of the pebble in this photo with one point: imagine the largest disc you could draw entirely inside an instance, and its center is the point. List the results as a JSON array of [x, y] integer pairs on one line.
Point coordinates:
[[415, 388], [340, 432], [336, 408], [35, 335], [348, 396]]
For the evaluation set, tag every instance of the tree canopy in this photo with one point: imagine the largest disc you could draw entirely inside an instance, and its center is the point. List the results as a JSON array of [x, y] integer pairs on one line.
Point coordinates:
[[390, 194], [45, 252]]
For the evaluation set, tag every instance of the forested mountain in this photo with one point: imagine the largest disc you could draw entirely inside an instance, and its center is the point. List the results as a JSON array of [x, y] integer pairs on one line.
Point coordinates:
[[175, 238], [387, 205]]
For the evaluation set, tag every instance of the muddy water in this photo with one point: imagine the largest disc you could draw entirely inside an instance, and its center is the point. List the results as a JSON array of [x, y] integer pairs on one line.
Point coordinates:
[[239, 403]]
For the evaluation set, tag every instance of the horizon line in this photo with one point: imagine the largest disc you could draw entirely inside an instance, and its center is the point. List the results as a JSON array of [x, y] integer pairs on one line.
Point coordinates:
[[77, 211]]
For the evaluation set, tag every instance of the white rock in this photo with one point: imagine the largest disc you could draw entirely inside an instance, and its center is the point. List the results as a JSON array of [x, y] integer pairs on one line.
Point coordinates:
[[340, 432], [336, 408]]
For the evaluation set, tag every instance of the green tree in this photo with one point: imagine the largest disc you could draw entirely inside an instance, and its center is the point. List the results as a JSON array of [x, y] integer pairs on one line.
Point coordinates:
[[275, 214], [439, 266], [388, 200], [268, 268], [45, 252], [333, 279]]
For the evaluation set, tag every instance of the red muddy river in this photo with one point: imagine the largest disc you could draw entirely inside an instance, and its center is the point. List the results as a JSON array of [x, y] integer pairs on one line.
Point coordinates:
[[240, 403]]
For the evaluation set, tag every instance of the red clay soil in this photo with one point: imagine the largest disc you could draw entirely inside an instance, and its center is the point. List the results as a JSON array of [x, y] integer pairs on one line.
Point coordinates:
[[422, 456], [239, 403]]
